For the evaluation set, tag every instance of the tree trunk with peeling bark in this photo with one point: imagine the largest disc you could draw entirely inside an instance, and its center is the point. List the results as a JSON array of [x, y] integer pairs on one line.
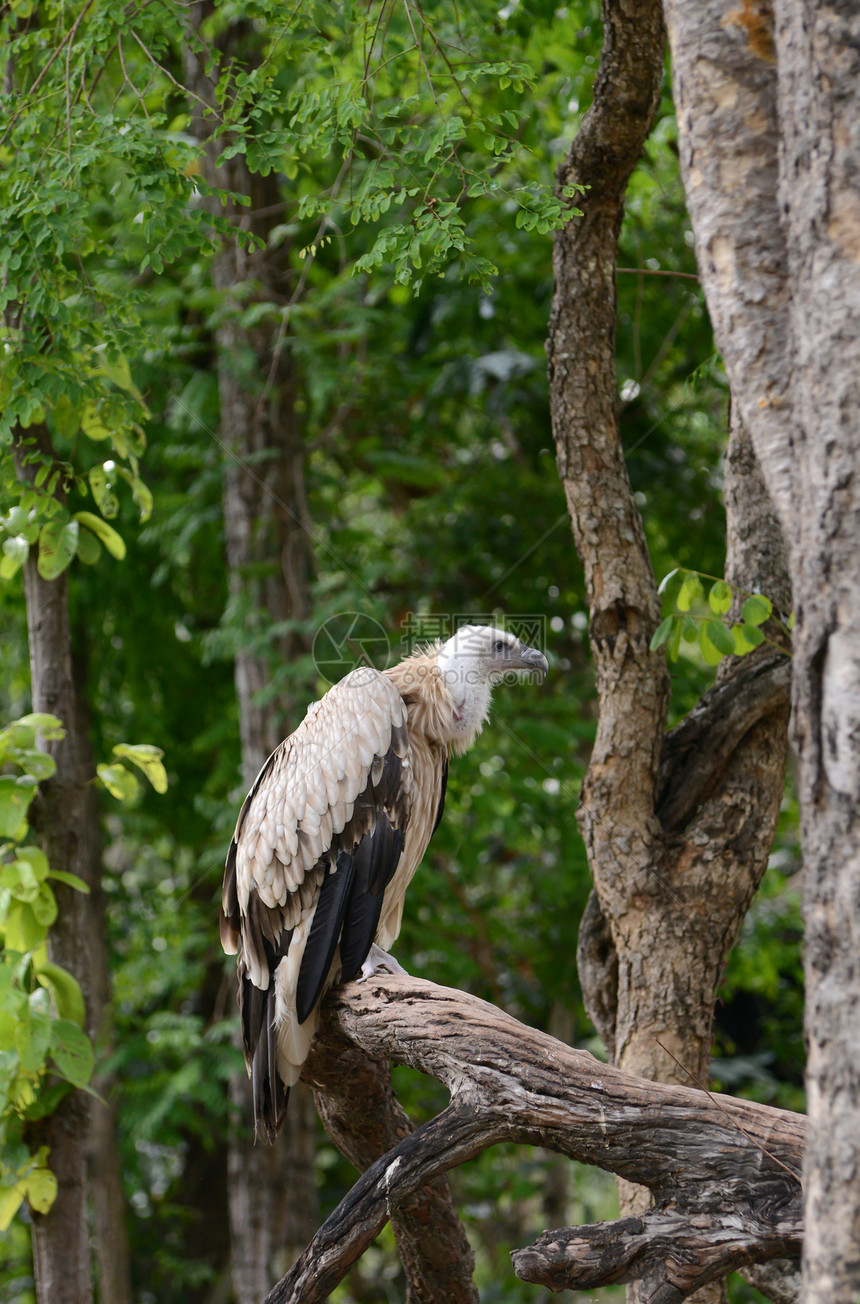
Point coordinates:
[[678, 827], [768, 99]]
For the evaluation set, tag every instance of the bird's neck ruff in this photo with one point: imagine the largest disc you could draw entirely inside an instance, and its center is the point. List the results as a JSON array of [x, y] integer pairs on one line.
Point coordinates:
[[446, 706]]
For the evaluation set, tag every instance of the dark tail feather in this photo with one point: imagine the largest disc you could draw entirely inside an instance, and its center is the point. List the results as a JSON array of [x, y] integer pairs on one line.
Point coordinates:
[[270, 1094]]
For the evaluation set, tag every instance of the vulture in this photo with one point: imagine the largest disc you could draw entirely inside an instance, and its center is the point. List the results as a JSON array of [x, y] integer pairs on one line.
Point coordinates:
[[331, 833]]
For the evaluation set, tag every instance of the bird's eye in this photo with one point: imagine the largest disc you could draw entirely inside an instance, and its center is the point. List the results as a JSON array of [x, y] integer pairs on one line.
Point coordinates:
[[499, 646]]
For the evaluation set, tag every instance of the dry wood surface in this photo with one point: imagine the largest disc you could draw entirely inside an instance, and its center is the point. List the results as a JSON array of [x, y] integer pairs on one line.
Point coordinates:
[[724, 1173]]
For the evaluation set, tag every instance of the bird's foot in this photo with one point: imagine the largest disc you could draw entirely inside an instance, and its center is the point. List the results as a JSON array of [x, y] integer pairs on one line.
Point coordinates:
[[379, 961]]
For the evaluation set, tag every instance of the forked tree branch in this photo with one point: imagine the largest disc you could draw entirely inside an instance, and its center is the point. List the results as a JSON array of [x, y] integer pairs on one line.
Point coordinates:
[[365, 1120], [722, 1172], [697, 751]]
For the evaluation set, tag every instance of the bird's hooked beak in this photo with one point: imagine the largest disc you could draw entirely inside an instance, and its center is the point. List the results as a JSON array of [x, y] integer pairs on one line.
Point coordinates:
[[529, 658]]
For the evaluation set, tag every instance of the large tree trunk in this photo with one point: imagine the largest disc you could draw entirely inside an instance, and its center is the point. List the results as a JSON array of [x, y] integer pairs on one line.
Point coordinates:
[[769, 110], [678, 828]]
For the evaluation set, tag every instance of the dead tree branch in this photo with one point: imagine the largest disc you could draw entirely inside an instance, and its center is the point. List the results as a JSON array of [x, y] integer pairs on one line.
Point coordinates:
[[364, 1119], [722, 1173], [672, 1251]]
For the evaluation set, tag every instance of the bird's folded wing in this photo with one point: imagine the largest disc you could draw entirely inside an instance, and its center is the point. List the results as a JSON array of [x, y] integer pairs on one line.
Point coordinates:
[[331, 803]]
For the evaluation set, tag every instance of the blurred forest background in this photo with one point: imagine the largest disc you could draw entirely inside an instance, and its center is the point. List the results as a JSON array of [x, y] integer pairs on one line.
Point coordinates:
[[393, 165]]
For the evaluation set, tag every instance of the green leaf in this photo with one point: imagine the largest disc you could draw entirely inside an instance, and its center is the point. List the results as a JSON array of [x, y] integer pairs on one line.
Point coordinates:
[[105, 498], [15, 552], [58, 543], [756, 610], [675, 641], [712, 655], [142, 495], [49, 726], [106, 533], [721, 637], [32, 1039], [119, 782], [89, 548], [690, 590], [14, 801], [22, 931], [72, 1052], [21, 880], [753, 635], [41, 1189], [147, 758], [8, 1029], [39, 765], [120, 373], [11, 1199], [720, 597], [36, 859], [65, 417], [71, 880], [64, 990], [661, 633], [44, 907], [92, 423], [21, 520]]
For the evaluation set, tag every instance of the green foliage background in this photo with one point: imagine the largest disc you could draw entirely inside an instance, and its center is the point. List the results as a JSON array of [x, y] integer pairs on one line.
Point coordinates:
[[417, 204]]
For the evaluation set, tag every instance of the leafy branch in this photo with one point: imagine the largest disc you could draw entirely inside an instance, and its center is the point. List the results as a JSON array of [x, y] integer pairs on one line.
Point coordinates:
[[704, 621], [44, 1050]]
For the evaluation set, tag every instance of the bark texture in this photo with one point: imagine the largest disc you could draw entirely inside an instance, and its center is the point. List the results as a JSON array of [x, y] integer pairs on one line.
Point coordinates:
[[60, 816], [678, 827], [363, 1117], [769, 111], [724, 1172]]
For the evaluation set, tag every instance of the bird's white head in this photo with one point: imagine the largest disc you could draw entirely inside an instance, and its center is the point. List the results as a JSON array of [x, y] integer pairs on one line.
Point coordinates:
[[470, 663]]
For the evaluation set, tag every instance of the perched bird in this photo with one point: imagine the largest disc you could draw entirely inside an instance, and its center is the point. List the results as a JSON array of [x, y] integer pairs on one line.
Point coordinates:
[[332, 831]]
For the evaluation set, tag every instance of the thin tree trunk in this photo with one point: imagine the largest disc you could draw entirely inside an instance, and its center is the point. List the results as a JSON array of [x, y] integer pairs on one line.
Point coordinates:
[[59, 816], [678, 829]]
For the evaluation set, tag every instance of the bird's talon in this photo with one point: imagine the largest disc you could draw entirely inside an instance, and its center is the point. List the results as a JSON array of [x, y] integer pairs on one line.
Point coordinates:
[[379, 961]]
